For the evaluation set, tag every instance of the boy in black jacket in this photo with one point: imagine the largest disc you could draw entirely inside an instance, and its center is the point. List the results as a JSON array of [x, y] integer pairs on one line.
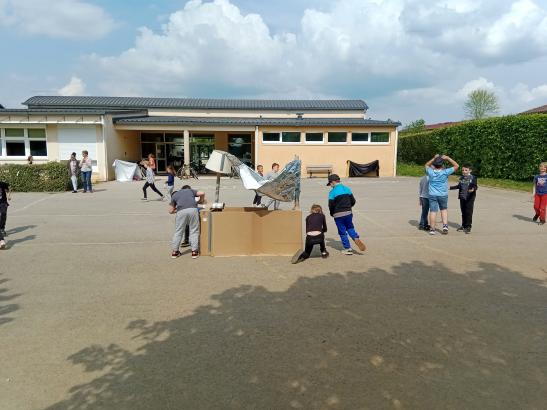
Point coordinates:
[[4, 198], [467, 191]]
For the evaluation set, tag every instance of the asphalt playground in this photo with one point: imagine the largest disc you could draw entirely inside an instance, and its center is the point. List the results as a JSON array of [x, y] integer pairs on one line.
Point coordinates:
[[94, 314]]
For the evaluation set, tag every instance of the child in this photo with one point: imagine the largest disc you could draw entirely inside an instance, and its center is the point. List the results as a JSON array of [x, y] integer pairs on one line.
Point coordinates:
[[152, 162], [5, 196], [467, 190], [258, 198], [540, 194], [270, 176], [424, 203], [150, 182], [184, 205], [341, 201], [73, 171], [316, 226], [438, 189], [170, 180], [86, 166]]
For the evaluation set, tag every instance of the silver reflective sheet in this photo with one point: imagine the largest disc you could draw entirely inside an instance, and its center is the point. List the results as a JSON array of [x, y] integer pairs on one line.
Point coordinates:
[[285, 187]]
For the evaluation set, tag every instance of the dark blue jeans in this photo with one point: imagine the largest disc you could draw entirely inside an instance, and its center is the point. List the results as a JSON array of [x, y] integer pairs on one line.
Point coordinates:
[[86, 180], [425, 212], [345, 227]]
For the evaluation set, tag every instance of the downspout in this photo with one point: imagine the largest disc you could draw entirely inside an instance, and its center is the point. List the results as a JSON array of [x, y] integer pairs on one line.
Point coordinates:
[[256, 162], [395, 152], [106, 166]]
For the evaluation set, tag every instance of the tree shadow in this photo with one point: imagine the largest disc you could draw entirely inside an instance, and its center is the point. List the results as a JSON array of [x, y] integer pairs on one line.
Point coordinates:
[[6, 307], [416, 337], [523, 218]]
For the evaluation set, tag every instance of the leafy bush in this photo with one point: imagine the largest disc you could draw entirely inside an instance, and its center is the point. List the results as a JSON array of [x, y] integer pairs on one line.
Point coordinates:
[[505, 147], [49, 177]]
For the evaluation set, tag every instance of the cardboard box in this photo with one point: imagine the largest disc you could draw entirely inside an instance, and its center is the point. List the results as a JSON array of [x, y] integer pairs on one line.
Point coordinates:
[[250, 232]]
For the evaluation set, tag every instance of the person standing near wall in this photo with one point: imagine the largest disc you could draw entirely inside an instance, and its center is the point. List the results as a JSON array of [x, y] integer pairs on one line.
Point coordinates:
[[87, 168], [73, 172]]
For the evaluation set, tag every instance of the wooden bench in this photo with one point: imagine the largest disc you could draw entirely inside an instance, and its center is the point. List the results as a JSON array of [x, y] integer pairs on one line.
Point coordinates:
[[322, 169]]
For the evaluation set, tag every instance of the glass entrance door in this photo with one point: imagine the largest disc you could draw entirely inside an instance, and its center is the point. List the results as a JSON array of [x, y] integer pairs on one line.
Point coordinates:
[[201, 146], [160, 157]]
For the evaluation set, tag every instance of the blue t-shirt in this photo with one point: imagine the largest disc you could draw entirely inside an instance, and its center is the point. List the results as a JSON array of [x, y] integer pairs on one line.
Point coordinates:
[[438, 180], [540, 182]]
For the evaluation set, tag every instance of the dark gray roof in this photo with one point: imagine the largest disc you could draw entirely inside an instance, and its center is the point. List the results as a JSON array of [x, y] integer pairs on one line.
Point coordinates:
[[192, 103], [252, 122], [64, 111]]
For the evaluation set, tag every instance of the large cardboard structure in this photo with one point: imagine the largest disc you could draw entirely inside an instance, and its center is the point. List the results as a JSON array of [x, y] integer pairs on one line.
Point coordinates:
[[250, 231]]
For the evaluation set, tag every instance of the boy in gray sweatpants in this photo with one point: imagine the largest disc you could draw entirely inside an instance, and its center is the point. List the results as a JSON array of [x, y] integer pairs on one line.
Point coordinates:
[[184, 205]]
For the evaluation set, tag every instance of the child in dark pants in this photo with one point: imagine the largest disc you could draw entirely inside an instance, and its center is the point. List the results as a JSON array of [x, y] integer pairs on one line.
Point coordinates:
[[424, 204], [467, 191], [258, 199], [4, 198], [316, 226], [149, 181]]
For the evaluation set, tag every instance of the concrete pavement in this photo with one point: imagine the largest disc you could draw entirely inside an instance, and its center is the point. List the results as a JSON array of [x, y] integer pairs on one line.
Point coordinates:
[[95, 315]]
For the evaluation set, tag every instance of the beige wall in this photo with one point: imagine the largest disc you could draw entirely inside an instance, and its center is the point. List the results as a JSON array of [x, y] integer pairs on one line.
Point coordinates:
[[336, 155], [256, 114]]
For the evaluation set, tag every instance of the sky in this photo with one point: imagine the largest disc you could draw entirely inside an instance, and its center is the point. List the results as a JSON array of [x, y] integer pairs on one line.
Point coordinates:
[[408, 59]]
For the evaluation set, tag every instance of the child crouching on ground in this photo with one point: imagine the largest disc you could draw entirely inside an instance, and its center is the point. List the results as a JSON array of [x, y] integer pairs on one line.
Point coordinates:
[[467, 191], [316, 226]]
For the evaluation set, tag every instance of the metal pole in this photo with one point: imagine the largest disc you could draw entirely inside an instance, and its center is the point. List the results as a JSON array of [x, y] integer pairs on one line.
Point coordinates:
[[217, 191]]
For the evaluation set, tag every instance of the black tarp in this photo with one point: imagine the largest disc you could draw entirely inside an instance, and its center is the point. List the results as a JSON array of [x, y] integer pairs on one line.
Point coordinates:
[[372, 169]]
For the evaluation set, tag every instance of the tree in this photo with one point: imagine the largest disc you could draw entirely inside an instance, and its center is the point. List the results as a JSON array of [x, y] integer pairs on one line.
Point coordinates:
[[481, 104], [414, 126]]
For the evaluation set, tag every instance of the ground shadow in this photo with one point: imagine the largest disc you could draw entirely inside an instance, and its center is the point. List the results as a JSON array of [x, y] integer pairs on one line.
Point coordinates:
[[415, 223], [13, 242], [414, 337], [13, 231], [337, 245], [6, 307], [523, 218]]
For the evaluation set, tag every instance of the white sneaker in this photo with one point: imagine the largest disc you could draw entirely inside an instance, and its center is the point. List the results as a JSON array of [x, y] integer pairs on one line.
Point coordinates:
[[2, 244], [347, 251]]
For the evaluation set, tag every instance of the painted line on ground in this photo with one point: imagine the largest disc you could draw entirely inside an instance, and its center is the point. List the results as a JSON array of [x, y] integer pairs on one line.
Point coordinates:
[[31, 204]]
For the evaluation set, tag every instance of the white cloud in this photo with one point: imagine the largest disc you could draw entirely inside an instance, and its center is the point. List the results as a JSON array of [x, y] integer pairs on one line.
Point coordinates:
[[525, 94], [480, 83], [71, 19], [74, 87]]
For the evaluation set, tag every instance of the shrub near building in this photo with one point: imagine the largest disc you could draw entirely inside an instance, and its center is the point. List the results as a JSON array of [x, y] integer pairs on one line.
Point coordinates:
[[504, 147], [49, 177]]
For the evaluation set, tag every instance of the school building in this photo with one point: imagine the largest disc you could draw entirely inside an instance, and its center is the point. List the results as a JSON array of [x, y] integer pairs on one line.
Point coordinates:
[[186, 130]]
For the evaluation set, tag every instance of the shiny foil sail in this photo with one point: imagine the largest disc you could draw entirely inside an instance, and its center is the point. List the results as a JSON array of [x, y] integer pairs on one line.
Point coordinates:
[[285, 187]]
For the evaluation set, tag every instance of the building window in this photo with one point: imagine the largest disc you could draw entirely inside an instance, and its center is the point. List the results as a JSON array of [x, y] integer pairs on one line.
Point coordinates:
[[338, 137], [240, 146], [271, 137], [379, 137], [22, 142], [316, 137], [290, 137], [359, 137]]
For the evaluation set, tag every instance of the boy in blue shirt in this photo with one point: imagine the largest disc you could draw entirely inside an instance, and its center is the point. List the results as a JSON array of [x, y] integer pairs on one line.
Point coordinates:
[[438, 189], [341, 200]]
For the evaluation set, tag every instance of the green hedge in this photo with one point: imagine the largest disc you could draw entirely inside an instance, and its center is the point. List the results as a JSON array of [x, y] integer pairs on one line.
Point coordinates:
[[49, 177], [505, 147]]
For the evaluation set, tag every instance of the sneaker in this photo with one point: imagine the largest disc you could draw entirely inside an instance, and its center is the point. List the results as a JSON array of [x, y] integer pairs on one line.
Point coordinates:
[[347, 251], [175, 254], [445, 229], [427, 228], [84, 192], [185, 244], [324, 255], [195, 254], [162, 198], [144, 199], [541, 223], [2, 244], [3, 232], [74, 192], [432, 232], [360, 244], [297, 257], [467, 231], [535, 218], [421, 227], [460, 229]]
